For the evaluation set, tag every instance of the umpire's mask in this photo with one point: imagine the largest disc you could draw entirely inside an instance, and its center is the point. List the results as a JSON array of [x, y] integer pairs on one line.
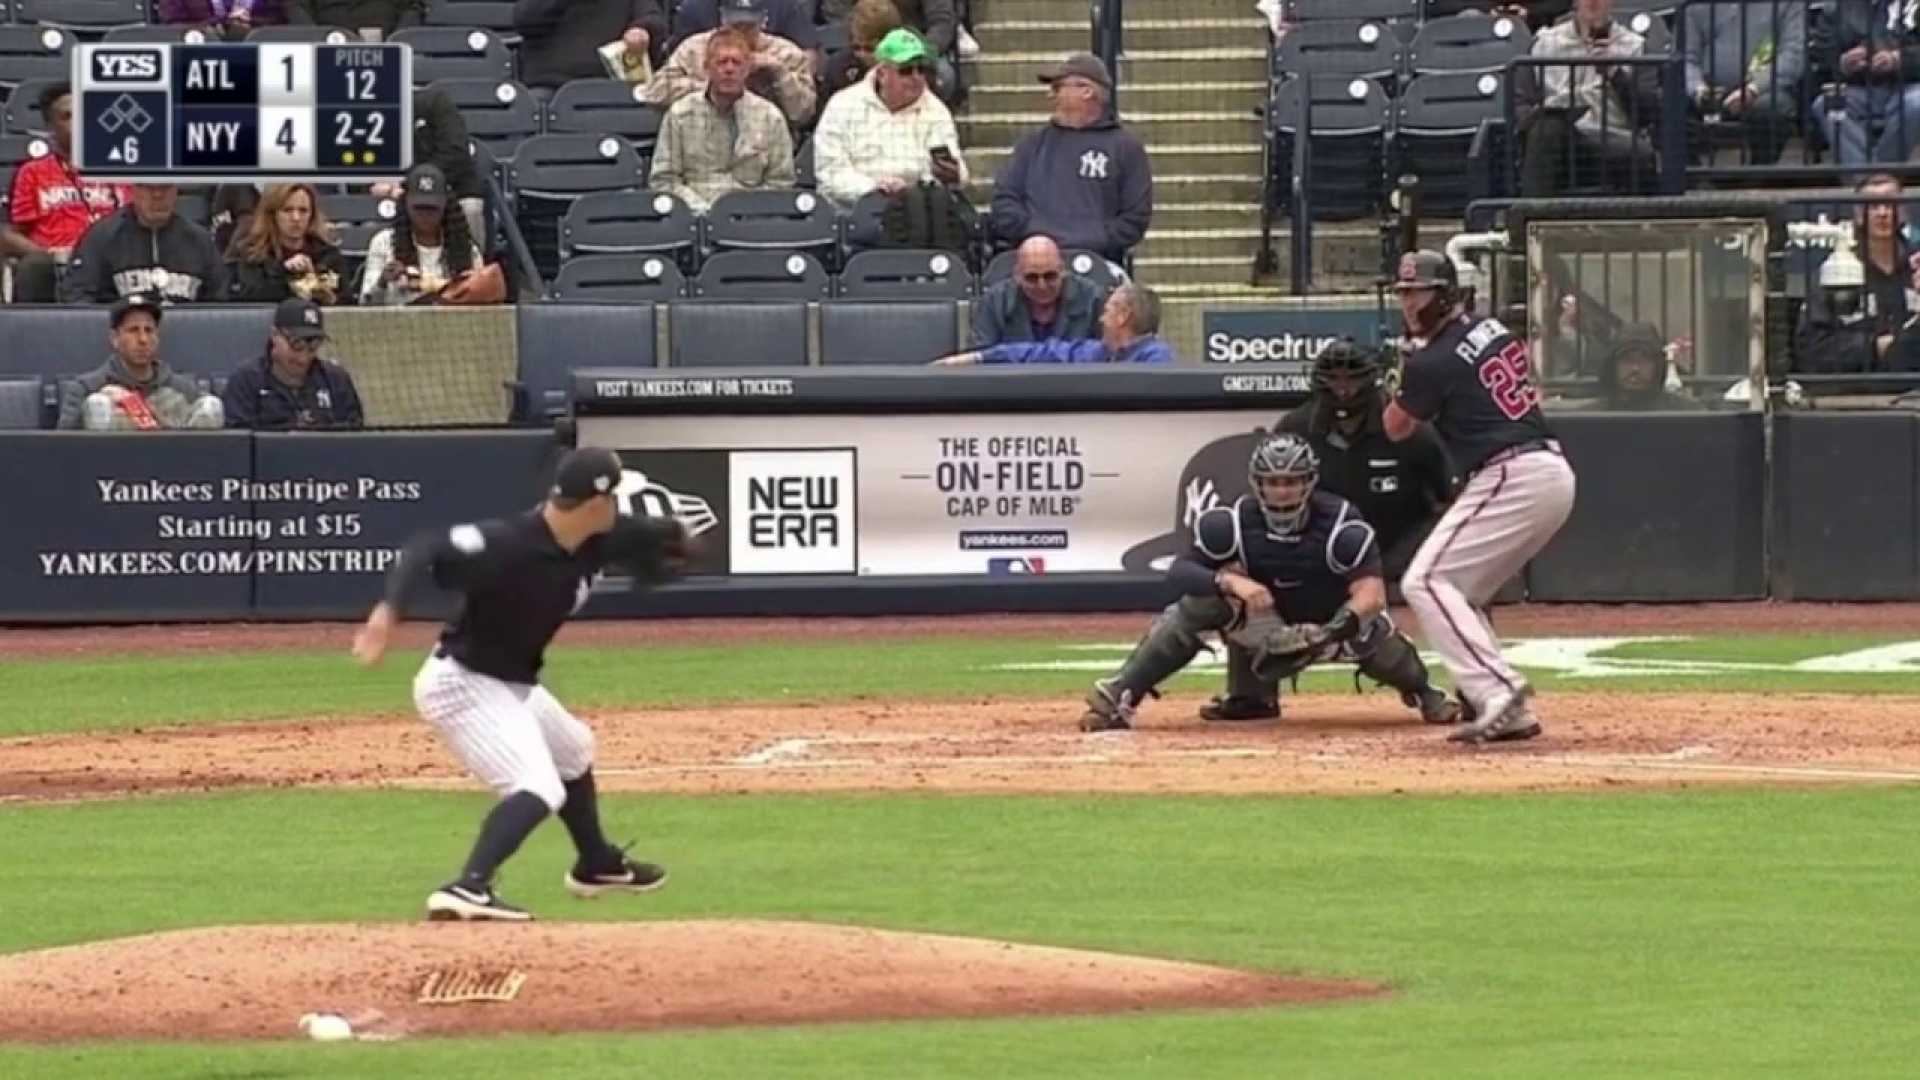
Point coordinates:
[[1347, 378], [1283, 471]]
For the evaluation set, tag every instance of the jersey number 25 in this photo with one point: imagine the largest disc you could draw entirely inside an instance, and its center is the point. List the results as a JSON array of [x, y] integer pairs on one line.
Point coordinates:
[[1508, 378]]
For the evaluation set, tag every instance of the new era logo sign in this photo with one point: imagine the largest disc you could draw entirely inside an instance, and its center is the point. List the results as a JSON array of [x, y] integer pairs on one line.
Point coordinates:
[[125, 65]]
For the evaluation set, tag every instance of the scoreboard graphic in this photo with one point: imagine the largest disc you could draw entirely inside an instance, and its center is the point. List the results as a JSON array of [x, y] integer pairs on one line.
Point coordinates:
[[168, 113]]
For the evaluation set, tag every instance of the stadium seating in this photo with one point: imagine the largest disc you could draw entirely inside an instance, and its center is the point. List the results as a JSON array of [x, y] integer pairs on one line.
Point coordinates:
[[60, 341], [549, 172], [357, 219], [888, 331], [149, 34], [500, 113], [762, 275], [33, 52], [22, 115], [1355, 47], [774, 219], [23, 404], [575, 335], [89, 17], [1348, 119], [1438, 120], [1468, 43], [293, 35], [906, 274], [708, 333], [618, 279], [494, 15], [1085, 263], [449, 52], [603, 106], [631, 222]]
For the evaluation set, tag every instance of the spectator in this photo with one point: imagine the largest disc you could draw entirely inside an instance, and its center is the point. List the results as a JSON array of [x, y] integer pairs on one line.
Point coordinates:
[[1634, 379], [290, 385], [51, 207], [133, 390], [232, 20], [936, 21], [1876, 115], [561, 39], [285, 250], [1745, 62], [1129, 334], [426, 250], [1082, 179], [1041, 301], [385, 16], [881, 134], [229, 211], [778, 70], [1854, 320], [873, 20], [440, 138], [724, 138], [1581, 113], [790, 19], [145, 248]]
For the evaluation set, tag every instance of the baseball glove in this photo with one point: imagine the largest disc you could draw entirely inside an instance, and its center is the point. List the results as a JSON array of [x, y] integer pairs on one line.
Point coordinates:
[[1288, 650]]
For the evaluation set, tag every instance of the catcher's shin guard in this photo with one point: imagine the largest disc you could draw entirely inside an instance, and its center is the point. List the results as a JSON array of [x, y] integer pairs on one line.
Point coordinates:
[[1168, 645], [1242, 683], [1393, 660]]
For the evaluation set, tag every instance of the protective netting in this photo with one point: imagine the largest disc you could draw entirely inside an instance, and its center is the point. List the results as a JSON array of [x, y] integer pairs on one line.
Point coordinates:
[[426, 366]]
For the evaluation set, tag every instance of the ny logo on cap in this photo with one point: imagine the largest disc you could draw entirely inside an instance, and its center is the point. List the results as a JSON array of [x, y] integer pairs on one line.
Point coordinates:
[[426, 183], [602, 482], [311, 315]]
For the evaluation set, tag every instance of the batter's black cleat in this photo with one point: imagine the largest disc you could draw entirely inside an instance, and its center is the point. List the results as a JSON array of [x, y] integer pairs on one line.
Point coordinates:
[[466, 902], [626, 875], [1239, 709]]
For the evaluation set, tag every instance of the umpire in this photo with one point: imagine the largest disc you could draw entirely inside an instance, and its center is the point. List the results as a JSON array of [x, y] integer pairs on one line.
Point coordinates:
[[1400, 488]]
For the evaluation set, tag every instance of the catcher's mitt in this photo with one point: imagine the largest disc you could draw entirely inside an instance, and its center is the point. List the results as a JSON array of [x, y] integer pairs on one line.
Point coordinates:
[[1288, 650]]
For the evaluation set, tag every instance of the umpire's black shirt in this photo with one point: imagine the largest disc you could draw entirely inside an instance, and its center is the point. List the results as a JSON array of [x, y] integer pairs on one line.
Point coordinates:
[[520, 584], [1398, 487]]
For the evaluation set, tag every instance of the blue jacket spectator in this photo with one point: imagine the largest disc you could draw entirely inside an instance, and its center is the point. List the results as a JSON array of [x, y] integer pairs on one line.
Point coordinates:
[[1876, 115], [1043, 300], [1745, 62], [1083, 179], [1129, 328]]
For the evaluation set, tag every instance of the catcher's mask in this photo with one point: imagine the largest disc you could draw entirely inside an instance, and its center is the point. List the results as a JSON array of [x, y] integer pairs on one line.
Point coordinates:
[[1428, 270], [1347, 378], [1283, 472]]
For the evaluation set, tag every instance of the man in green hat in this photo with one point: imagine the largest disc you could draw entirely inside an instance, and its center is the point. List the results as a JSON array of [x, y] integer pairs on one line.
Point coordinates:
[[886, 132]]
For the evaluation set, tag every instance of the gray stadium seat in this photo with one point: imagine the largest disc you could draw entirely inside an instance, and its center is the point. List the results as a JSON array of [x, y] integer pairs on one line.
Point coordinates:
[[294, 35], [357, 219], [60, 340], [1470, 42], [549, 172], [1085, 263], [710, 333], [888, 331], [495, 15], [22, 404], [1438, 118], [1349, 121], [906, 274], [456, 52], [88, 15], [630, 222], [156, 35], [1339, 47], [603, 106], [22, 114], [783, 219], [499, 113], [619, 278], [33, 52], [1302, 11], [555, 338], [762, 275]]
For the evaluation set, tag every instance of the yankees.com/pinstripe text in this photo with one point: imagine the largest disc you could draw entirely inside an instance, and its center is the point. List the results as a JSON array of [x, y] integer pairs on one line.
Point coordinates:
[[162, 563]]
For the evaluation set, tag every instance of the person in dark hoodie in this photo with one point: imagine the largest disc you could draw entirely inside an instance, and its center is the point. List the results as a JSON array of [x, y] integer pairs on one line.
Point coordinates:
[[561, 38], [133, 390], [145, 248], [290, 386], [1634, 378], [385, 16], [1083, 179]]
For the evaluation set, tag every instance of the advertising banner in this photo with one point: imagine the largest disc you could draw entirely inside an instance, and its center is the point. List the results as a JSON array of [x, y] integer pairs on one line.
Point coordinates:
[[979, 493], [223, 524], [1283, 334]]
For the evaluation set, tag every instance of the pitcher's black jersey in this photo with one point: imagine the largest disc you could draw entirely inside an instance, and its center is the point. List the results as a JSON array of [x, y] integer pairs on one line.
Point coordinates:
[[1474, 381], [1308, 572]]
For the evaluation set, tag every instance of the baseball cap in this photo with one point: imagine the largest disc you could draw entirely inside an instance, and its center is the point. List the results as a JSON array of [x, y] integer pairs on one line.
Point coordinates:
[[1082, 65], [735, 12], [586, 472], [133, 302], [300, 320], [903, 48], [426, 186]]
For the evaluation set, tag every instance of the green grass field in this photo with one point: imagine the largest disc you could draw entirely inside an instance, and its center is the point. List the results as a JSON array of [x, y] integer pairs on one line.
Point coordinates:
[[1725, 932]]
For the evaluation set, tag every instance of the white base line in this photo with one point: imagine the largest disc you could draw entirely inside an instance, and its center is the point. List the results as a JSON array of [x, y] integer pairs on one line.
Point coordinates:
[[1805, 772]]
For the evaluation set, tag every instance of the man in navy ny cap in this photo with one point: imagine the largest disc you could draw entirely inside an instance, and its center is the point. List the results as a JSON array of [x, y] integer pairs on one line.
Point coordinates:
[[290, 385]]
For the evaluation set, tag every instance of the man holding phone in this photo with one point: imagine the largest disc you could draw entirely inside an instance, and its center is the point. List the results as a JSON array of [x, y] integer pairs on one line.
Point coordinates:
[[1583, 121], [886, 133]]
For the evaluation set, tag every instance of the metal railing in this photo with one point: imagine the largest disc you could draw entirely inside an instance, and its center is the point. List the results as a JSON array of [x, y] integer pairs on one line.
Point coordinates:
[[1108, 22], [1627, 140]]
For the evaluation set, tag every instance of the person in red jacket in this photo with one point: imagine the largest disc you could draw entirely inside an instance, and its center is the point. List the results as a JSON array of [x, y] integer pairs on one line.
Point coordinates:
[[52, 207]]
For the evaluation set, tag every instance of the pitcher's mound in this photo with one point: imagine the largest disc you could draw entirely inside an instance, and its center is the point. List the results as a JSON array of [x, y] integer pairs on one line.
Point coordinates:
[[249, 982]]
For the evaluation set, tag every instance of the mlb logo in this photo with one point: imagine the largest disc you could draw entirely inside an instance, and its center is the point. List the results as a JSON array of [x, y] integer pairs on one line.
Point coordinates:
[[1017, 564]]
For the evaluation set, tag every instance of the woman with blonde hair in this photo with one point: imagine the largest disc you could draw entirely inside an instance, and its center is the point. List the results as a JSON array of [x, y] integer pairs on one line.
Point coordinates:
[[285, 250]]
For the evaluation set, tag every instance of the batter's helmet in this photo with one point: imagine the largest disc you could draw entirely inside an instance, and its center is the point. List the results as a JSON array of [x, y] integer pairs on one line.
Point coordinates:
[[1427, 270], [1289, 456]]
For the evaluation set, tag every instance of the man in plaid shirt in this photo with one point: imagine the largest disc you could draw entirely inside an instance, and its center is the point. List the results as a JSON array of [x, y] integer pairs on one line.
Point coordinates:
[[881, 133], [777, 69], [724, 138]]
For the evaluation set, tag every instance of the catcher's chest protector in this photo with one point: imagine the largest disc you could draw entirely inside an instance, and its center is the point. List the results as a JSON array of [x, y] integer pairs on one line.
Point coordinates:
[[1308, 581]]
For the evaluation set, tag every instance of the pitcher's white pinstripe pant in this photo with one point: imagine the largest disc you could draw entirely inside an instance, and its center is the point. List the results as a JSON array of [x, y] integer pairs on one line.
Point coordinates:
[[513, 736]]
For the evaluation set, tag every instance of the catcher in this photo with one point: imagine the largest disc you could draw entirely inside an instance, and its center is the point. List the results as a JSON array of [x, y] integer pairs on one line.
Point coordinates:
[[1291, 573]]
